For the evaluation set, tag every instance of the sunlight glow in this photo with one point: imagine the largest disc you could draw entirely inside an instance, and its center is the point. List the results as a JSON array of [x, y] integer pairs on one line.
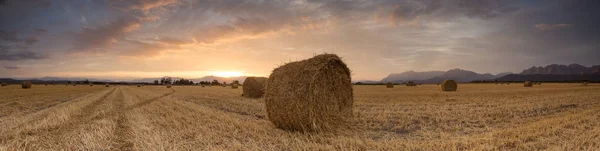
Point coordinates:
[[227, 74]]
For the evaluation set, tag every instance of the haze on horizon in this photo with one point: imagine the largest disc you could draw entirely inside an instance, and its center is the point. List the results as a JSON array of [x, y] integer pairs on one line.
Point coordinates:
[[117, 39]]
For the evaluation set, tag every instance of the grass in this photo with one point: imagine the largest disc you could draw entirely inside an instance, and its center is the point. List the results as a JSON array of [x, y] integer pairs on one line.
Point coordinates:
[[476, 117]]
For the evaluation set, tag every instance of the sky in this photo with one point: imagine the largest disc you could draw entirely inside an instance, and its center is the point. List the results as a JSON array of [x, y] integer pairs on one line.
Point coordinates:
[[129, 39]]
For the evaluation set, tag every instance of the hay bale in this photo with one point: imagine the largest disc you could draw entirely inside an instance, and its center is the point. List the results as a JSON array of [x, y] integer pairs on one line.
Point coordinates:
[[234, 86], [528, 84], [254, 87], [449, 85], [389, 85], [3, 84], [26, 85], [168, 85], [138, 86], [91, 85], [310, 95], [106, 85], [584, 84]]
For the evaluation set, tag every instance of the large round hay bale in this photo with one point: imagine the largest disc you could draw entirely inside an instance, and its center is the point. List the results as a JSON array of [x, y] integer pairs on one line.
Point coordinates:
[[254, 87], [310, 95], [528, 84], [234, 86], [389, 85], [449, 85], [26, 85]]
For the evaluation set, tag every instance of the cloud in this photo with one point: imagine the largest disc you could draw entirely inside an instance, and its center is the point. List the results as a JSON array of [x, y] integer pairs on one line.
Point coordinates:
[[5, 54], [93, 39], [40, 30], [142, 5], [549, 27], [12, 67], [9, 36], [174, 41]]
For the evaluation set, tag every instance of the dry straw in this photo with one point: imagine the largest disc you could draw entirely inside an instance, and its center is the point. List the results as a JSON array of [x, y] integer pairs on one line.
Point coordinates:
[[528, 84], [389, 85], [449, 85], [254, 87], [310, 95], [26, 85]]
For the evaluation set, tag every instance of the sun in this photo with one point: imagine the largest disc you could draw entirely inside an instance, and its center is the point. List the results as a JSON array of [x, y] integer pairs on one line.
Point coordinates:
[[227, 74]]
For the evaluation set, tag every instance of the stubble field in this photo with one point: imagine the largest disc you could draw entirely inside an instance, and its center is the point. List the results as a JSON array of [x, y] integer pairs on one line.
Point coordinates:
[[477, 117]]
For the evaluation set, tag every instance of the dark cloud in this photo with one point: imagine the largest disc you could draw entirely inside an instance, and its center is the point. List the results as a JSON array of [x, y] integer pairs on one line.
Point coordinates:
[[92, 39], [2, 2], [12, 67], [39, 30], [5, 54], [485, 8], [9, 36]]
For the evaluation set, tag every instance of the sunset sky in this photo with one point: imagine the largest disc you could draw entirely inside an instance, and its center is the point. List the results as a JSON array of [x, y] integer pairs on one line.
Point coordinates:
[[130, 39]]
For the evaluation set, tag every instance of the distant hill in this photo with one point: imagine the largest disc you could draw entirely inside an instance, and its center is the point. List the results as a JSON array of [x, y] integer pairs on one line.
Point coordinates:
[[458, 75], [551, 77], [556, 69], [412, 75], [64, 79]]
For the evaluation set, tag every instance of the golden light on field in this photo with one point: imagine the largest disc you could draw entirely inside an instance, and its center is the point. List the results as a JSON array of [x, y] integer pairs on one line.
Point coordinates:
[[227, 74]]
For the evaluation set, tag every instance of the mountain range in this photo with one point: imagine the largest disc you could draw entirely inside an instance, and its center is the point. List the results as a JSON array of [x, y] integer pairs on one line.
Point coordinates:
[[557, 69], [458, 75], [553, 72]]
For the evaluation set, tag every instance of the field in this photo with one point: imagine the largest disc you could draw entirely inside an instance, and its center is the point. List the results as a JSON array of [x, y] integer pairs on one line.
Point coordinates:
[[477, 117]]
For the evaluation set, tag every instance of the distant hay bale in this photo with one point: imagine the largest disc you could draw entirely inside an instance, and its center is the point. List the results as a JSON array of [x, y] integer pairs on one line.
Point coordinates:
[[234, 86], [254, 87], [203, 86], [449, 85], [168, 85], [411, 83], [138, 85], [26, 85], [74, 84], [584, 84], [528, 84], [310, 95], [389, 85], [107, 85], [91, 85], [3, 84]]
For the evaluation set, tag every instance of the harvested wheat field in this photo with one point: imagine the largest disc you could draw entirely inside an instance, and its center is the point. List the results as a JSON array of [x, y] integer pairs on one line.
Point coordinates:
[[478, 117]]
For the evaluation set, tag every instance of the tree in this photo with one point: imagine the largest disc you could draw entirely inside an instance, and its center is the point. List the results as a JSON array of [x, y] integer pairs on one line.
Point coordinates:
[[215, 82], [86, 81], [68, 82], [155, 82]]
